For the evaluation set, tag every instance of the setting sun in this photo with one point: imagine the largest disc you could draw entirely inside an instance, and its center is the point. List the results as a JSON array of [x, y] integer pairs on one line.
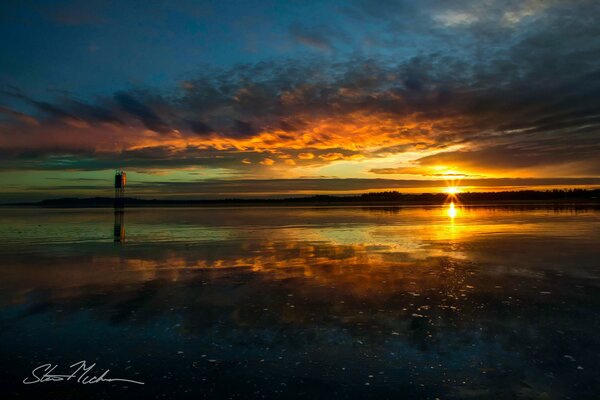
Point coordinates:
[[452, 190]]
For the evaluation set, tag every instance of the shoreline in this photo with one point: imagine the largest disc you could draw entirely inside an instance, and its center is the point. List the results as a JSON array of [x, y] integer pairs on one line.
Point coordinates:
[[393, 198], [502, 203]]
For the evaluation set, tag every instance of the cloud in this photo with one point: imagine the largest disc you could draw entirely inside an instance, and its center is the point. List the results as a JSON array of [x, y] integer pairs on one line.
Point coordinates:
[[313, 38], [243, 128], [138, 109], [422, 171], [331, 156], [573, 156], [28, 119], [200, 127], [267, 161], [306, 156], [501, 96]]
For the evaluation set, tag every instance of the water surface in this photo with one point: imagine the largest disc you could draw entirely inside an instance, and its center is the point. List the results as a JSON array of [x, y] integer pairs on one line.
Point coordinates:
[[344, 302]]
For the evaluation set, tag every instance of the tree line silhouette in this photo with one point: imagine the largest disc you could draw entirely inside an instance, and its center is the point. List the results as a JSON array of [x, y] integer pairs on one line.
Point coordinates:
[[388, 197]]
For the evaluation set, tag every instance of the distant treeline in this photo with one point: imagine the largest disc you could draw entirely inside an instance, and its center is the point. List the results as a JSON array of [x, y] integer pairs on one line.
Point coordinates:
[[521, 195], [575, 195]]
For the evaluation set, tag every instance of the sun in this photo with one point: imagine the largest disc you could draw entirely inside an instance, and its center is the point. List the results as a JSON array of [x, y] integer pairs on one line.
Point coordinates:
[[452, 190]]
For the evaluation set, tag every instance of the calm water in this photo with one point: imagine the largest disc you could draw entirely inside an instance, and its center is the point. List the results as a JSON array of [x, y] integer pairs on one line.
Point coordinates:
[[497, 302]]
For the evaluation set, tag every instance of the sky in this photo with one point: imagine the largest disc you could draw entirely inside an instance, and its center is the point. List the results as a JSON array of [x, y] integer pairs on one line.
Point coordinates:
[[221, 99]]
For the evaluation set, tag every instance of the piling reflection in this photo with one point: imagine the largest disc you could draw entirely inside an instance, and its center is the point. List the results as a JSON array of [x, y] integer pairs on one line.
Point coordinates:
[[119, 226]]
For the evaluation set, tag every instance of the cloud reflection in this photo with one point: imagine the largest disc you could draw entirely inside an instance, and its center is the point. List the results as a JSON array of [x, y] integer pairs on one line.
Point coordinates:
[[396, 290]]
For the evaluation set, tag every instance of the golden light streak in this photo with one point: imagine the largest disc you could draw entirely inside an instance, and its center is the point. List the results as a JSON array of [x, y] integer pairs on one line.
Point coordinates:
[[452, 211]]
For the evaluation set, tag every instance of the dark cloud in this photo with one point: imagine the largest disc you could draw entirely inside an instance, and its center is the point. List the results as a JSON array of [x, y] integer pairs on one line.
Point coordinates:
[[19, 116], [243, 128], [51, 109], [94, 113], [161, 157], [137, 108], [200, 127]]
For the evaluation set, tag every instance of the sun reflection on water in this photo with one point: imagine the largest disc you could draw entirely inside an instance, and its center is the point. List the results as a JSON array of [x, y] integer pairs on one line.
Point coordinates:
[[452, 211]]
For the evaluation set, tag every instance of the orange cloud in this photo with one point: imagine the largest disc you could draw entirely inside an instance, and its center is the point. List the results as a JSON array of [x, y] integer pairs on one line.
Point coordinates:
[[306, 156], [267, 161], [331, 156]]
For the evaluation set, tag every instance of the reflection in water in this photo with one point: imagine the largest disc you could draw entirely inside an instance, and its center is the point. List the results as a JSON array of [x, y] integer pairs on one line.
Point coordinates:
[[451, 210], [119, 226], [309, 302]]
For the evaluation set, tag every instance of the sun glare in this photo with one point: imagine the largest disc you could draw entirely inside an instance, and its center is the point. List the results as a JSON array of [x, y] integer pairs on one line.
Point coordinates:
[[452, 190], [452, 211]]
